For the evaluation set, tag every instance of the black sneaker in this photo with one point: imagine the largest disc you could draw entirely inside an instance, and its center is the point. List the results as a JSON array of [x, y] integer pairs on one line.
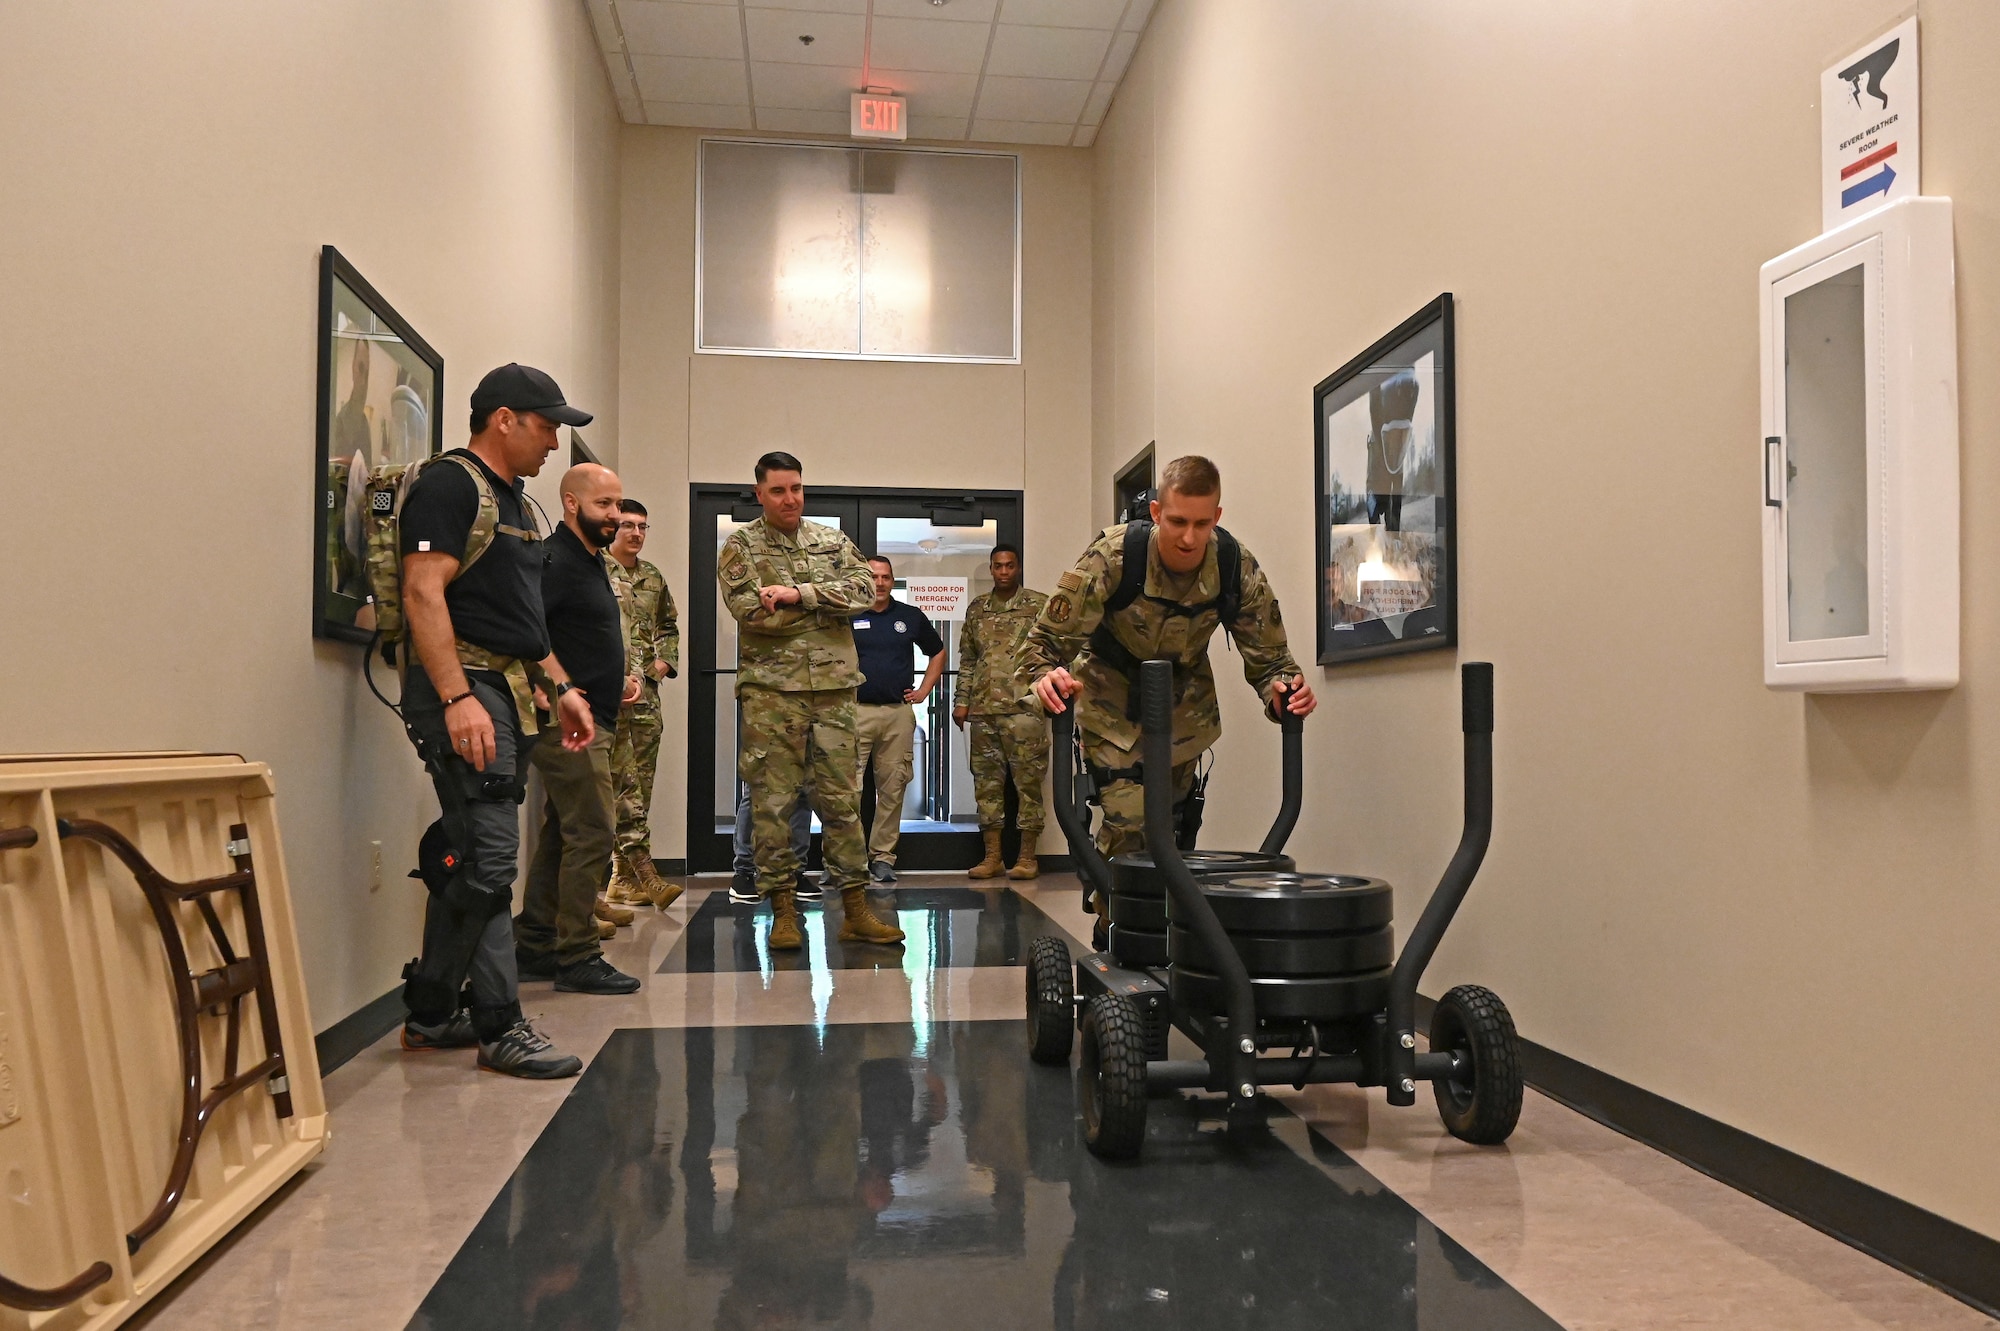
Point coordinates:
[[882, 871], [809, 888], [743, 890], [535, 965], [454, 1032], [523, 1051], [596, 976]]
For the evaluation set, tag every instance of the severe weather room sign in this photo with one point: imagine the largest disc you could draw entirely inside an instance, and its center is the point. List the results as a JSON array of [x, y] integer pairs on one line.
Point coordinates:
[[1868, 127]]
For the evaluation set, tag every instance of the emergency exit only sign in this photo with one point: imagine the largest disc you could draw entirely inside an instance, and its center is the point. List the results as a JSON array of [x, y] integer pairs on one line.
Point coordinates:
[[1868, 127]]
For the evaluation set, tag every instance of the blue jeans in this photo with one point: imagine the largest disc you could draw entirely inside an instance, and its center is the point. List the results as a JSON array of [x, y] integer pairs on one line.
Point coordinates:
[[802, 821]]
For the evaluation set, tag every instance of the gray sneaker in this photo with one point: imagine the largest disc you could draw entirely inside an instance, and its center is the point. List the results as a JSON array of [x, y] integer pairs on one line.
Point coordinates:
[[882, 871], [454, 1032], [523, 1051]]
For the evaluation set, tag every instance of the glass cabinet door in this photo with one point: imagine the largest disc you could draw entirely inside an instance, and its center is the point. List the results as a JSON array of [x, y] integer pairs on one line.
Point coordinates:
[[1826, 453]]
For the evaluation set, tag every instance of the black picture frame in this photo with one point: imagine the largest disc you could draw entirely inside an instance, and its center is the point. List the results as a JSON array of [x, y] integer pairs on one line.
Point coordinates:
[[1373, 522], [351, 311]]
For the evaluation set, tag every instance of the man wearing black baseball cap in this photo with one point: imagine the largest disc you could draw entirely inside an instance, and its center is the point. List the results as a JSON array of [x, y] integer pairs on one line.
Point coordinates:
[[472, 596], [523, 388]]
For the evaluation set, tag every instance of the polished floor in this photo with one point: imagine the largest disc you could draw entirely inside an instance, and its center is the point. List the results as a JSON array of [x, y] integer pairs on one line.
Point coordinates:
[[861, 1142]]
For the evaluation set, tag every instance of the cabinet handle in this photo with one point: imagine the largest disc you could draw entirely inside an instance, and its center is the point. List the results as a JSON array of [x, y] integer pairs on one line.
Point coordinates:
[[1770, 502]]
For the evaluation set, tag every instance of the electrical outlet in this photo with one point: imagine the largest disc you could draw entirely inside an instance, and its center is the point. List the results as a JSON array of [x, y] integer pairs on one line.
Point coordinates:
[[374, 866]]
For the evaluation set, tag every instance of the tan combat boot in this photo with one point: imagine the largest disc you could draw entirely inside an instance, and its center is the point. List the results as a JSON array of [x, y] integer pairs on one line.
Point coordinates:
[[990, 867], [1025, 866], [861, 926], [606, 929], [786, 935], [652, 887], [624, 889], [611, 914]]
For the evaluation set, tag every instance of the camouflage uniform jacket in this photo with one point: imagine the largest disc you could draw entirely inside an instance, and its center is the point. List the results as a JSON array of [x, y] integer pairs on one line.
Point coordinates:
[[809, 645], [989, 653], [1150, 632], [652, 622]]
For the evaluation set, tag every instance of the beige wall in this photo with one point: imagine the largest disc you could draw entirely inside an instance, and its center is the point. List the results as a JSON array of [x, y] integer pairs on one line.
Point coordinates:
[[700, 418], [172, 172], [1775, 909]]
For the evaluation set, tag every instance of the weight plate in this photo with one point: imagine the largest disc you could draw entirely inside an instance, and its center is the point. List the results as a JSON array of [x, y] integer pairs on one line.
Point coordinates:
[[1292, 954], [1136, 875], [1144, 913], [1135, 947], [1299, 903], [1318, 998]]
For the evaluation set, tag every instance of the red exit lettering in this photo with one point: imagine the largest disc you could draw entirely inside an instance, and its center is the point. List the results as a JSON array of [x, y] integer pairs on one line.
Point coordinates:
[[882, 117]]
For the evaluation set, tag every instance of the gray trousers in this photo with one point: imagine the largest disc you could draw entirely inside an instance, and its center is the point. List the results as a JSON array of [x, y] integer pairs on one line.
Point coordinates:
[[481, 819], [802, 825], [573, 856]]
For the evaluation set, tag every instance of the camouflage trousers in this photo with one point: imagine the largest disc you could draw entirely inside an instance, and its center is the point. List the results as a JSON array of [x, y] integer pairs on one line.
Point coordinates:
[[800, 740], [1124, 828], [998, 746], [635, 759]]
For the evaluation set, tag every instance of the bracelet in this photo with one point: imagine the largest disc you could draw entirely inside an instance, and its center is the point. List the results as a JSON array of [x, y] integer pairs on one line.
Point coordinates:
[[449, 702]]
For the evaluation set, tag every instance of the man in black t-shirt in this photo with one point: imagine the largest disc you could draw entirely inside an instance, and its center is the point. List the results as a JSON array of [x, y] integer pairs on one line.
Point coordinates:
[[477, 641], [885, 715], [556, 935]]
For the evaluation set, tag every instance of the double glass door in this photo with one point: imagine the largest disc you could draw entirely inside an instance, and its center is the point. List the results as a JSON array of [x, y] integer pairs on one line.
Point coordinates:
[[923, 533]]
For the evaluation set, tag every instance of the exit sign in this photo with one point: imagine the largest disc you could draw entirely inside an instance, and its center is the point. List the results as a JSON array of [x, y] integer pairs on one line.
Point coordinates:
[[876, 115]]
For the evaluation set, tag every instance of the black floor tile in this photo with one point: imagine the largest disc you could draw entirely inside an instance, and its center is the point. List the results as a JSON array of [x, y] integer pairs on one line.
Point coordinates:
[[946, 926], [917, 1175]]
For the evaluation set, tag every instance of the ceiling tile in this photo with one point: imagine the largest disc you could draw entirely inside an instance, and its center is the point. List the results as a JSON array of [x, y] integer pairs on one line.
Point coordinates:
[[1136, 15], [1047, 53], [630, 109], [952, 11], [1046, 100], [775, 33], [1099, 103], [803, 87], [951, 128], [930, 93], [1018, 131], [697, 116], [813, 6], [1063, 13], [904, 43], [667, 78], [802, 122], [1122, 47], [604, 23], [1085, 136], [709, 31]]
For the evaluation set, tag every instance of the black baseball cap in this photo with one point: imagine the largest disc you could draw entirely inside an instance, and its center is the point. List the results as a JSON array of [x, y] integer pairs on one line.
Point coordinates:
[[525, 388]]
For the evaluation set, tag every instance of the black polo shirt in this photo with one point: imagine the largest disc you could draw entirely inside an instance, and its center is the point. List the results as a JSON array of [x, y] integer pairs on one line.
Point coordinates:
[[497, 603], [883, 639], [584, 628]]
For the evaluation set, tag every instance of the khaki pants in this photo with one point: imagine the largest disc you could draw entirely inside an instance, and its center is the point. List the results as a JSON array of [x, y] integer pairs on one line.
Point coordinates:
[[883, 732], [573, 858]]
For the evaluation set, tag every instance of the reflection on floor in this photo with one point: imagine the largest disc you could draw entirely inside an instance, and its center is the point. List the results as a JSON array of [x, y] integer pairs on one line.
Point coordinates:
[[945, 927], [906, 1175]]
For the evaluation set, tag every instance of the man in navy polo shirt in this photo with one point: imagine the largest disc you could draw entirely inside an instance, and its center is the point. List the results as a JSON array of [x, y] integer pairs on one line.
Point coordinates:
[[885, 713]]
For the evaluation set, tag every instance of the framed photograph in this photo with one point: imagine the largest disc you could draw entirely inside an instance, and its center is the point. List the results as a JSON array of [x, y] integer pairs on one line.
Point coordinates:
[[1383, 454], [378, 405]]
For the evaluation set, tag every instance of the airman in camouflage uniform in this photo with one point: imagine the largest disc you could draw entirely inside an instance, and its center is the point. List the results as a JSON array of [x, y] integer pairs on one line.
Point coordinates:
[[1009, 731], [653, 654], [1172, 619], [793, 586]]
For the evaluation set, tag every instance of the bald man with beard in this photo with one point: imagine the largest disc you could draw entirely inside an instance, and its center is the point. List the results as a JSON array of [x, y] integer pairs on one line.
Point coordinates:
[[556, 936]]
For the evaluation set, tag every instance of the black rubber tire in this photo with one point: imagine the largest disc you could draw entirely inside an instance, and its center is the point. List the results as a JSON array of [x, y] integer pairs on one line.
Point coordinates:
[[1051, 1001], [1111, 1077], [1484, 1108], [1297, 903], [1285, 998], [1292, 954], [1136, 947], [1135, 874]]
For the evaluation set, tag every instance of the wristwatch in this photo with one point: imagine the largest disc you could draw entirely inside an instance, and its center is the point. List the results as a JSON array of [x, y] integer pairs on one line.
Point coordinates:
[[564, 687]]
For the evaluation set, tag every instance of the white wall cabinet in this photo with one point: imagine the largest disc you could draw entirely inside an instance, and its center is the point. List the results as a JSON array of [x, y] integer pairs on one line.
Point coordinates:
[[1860, 456]]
